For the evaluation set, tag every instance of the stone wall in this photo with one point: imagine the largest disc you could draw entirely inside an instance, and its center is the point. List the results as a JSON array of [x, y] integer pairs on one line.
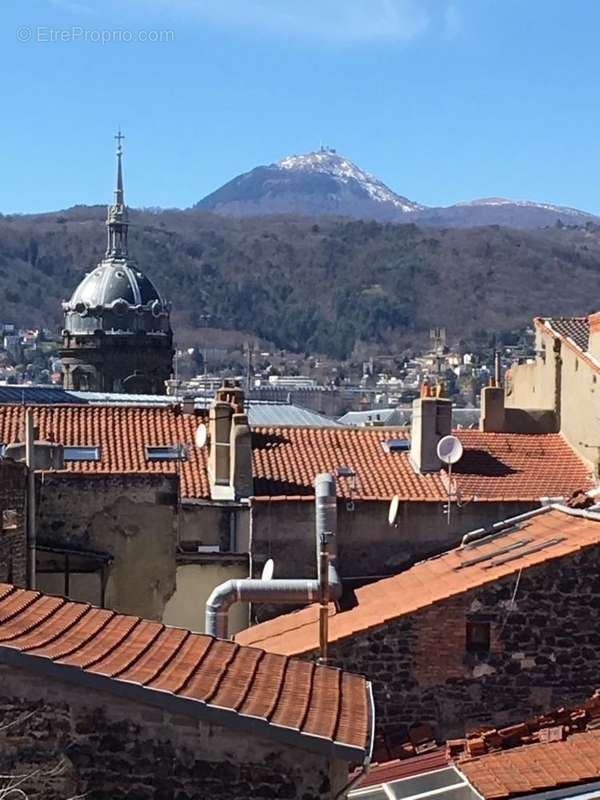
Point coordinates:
[[113, 749], [13, 535], [544, 651]]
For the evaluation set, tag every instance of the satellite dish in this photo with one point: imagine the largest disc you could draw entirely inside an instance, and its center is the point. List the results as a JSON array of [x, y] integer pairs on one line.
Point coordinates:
[[268, 570], [449, 449], [393, 510], [201, 435]]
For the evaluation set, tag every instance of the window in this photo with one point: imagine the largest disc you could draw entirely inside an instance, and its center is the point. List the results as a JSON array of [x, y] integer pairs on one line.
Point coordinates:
[[9, 519], [169, 452], [82, 453], [478, 637], [396, 445]]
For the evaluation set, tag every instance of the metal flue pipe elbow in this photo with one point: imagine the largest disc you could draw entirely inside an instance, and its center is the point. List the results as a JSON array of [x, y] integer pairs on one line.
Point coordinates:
[[250, 590]]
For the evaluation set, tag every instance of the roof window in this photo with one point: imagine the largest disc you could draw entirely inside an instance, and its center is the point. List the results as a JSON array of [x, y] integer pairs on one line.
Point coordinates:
[[396, 445], [168, 452], [82, 453]]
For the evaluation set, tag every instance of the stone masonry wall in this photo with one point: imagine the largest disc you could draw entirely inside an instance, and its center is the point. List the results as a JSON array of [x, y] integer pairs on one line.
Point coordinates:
[[544, 651], [74, 742], [13, 535]]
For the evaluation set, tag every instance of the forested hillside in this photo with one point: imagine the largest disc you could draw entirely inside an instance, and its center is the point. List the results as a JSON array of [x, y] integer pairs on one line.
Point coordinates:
[[322, 286]]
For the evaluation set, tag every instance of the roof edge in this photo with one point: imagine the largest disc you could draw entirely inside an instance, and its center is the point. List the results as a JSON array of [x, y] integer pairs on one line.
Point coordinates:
[[167, 701]]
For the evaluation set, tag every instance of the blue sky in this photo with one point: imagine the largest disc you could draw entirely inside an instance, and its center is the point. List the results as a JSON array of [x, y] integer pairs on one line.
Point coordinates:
[[444, 100]]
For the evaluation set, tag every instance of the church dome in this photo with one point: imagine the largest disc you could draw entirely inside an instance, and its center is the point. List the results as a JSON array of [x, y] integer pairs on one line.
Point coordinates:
[[116, 297], [112, 281]]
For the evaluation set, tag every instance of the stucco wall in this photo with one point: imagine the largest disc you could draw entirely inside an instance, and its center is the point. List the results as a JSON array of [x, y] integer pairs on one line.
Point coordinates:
[[580, 406], [533, 384], [115, 749], [367, 545], [130, 517], [194, 583], [563, 381]]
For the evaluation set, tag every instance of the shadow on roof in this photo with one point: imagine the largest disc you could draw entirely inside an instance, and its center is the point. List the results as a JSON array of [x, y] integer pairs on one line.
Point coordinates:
[[271, 487], [264, 441], [481, 462]]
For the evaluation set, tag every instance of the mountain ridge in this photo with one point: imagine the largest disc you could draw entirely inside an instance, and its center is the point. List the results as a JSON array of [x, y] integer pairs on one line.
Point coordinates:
[[320, 285], [323, 183]]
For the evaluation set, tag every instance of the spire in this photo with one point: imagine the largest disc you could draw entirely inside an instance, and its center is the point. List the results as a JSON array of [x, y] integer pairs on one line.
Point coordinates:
[[119, 190], [118, 219]]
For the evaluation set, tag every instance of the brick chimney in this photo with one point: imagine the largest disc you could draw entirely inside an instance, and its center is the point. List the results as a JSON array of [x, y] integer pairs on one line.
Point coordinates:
[[431, 420], [230, 454], [594, 342]]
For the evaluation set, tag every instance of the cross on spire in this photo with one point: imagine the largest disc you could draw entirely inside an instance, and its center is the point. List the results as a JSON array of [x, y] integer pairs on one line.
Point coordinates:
[[119, 138], [118, 219]]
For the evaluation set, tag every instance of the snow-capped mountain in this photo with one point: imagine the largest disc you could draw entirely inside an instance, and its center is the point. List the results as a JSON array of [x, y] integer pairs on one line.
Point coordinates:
[[328, 162], [324, 182], [317, 183]]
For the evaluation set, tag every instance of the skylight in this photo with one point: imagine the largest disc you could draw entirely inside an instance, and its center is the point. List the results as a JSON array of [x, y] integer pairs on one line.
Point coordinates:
[[82, 453], [396, 445], [169, 452]]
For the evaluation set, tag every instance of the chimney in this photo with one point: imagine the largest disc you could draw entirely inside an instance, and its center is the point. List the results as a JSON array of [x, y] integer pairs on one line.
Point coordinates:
[[594, 341], [492, 417], [240, 449], [431, 420], [230, 455]]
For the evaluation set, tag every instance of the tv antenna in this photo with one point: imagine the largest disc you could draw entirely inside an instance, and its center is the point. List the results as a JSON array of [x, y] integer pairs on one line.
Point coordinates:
[[449, 452]]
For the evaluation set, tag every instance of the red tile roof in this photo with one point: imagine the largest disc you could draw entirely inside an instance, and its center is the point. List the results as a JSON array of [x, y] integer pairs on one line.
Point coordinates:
[[536, 767], [577, 329], [311, 706], [556, 749], [495, 466], [574, 332], [544, 534], [122, 433]]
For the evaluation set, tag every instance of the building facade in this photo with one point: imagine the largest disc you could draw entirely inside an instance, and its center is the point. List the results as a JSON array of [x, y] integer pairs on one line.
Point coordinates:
[[117, 334]]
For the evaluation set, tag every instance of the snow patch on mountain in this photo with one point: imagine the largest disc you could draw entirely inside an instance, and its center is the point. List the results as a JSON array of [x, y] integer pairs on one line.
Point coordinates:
[[503, 201], [326, 161]]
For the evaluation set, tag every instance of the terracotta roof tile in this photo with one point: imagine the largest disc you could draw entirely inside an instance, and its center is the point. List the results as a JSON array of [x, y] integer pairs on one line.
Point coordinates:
[[575, 328], [495, 466], [536, 767], [323, 708], [547, 533]]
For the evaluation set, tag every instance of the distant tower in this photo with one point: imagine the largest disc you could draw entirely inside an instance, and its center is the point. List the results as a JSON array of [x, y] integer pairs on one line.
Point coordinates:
[[117, 335]]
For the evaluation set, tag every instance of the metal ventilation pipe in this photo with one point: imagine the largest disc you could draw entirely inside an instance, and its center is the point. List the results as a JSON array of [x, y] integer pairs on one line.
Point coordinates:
[[257, 590]]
